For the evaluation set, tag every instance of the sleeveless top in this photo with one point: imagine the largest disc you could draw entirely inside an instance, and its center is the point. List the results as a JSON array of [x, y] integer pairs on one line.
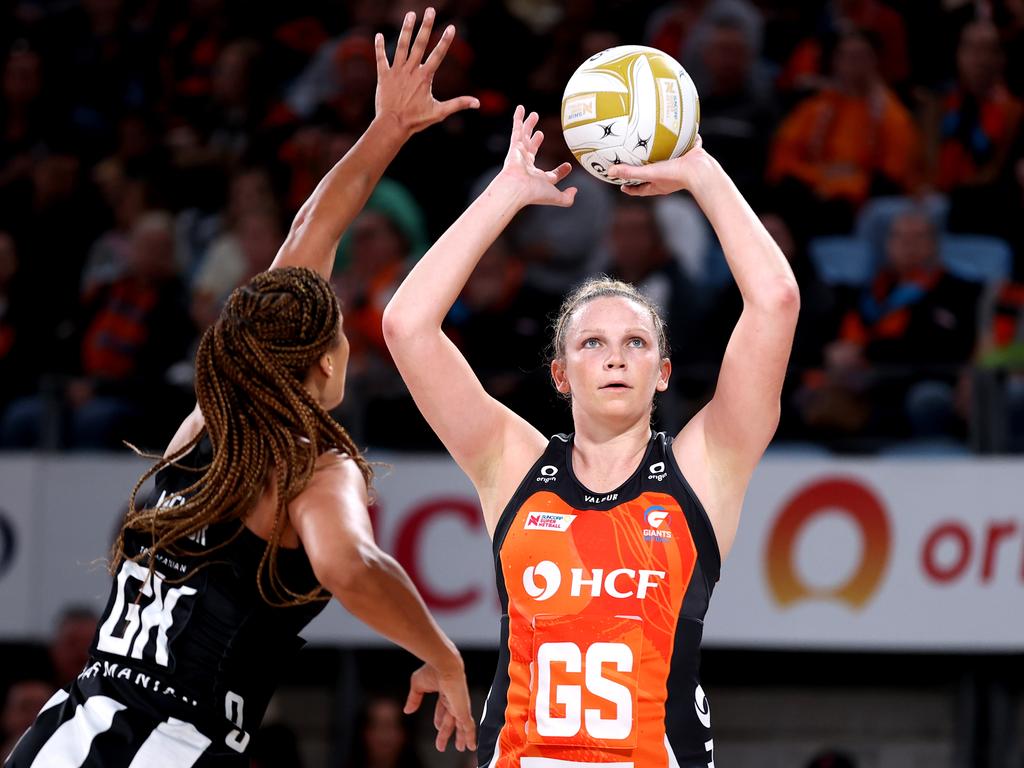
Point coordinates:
[[204, 646], [603, 599]]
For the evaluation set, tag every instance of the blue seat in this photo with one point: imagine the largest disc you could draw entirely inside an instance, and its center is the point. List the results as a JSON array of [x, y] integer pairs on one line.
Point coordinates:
[[851, 260], [979, 258], [842, 260]]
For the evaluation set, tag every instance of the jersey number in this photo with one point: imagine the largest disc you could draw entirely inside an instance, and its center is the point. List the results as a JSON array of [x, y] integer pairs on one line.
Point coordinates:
[[133, 619], [234, 706], [570, 697]]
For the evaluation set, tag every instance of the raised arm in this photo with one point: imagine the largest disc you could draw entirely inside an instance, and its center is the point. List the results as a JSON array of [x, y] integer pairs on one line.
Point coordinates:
[[475, 428], [332, 521], [727, 438], [404, 105]]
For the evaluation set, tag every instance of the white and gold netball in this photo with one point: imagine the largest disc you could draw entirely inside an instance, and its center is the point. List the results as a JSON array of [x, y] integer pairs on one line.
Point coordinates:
[[629, 104]]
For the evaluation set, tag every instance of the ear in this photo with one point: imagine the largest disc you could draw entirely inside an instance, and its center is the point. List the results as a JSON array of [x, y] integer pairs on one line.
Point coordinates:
[[664, 374], [559, 377], [326, 365]]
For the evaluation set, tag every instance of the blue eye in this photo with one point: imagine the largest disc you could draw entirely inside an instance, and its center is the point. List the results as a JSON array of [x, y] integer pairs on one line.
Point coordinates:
[[636, 341], [590, 343]]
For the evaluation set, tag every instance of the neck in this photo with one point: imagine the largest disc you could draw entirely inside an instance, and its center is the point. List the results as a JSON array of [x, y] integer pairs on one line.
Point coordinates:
[[601, 448], [604, 463]]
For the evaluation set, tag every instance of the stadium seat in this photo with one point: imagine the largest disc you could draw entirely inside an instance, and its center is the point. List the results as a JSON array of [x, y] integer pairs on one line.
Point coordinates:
[[842, 260], [978, 258]]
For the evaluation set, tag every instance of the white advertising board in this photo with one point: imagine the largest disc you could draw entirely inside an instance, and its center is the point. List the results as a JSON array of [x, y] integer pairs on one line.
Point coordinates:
[[853, 554]]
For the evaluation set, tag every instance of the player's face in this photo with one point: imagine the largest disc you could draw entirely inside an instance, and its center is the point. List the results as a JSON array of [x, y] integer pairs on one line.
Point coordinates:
[[612, 366]]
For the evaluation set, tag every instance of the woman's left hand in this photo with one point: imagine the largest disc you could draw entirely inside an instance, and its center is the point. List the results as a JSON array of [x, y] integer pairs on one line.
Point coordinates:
[[665, 176], [533, 186], [404, 85]]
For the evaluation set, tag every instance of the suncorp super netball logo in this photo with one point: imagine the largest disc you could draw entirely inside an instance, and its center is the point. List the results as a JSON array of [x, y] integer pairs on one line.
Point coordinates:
[[829, 496]]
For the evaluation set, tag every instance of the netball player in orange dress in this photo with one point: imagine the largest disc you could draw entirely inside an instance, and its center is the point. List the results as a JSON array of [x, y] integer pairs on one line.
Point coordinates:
[[607, 541]]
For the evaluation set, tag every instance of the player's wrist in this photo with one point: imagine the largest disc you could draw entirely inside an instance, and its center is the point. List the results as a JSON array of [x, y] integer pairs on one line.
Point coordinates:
[[390, 125], [508, 187], [698, 168], [450, 663]]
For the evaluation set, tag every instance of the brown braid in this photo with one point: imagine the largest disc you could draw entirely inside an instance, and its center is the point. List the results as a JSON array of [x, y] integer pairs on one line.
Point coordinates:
[[250, 366]]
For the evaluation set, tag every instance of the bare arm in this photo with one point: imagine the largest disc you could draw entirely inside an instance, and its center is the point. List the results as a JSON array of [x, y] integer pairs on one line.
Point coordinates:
[[404, 105], [332, 521], [475, 428], [725, 441]]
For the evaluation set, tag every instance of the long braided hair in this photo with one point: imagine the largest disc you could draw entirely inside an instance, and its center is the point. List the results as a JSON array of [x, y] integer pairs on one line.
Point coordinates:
[[261, 420]]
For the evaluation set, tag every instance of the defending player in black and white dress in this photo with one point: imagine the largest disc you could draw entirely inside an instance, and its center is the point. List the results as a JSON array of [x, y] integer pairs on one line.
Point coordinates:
[[260, 511], [183, 664]]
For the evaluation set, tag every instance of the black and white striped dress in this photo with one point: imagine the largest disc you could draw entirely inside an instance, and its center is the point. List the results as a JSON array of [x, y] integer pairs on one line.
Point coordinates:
[[183, 665]]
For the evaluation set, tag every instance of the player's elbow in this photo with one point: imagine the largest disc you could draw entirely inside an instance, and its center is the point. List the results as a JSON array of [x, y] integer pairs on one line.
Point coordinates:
[[397, 325], [781, 298], [347, 570]]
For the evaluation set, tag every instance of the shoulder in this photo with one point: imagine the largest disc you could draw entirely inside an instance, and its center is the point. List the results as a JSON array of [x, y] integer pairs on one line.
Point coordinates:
[[336, 488], [190, 427], [337, 472]]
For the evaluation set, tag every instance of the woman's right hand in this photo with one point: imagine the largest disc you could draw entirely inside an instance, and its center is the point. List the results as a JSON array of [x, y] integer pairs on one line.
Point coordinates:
[[531, 185], [666, 176], [452, 713]]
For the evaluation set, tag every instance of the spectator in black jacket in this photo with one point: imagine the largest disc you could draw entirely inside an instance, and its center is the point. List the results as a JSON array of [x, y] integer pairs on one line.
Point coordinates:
[[901, 348]]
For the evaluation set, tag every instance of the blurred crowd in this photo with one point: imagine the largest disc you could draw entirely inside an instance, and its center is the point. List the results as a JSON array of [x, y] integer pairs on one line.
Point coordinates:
[[153, 154]]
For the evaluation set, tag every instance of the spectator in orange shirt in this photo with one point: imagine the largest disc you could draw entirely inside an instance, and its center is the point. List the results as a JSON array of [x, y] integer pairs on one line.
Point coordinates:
[[852, 140], [976, 124]]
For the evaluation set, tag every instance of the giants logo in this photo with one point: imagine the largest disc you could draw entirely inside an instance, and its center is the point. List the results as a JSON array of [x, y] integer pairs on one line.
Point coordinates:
[[655, 516], [636, 583]]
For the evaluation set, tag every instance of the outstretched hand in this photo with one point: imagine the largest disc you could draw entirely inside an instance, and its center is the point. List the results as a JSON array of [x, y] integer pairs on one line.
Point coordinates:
[[404, 85], [662, 177], [534, 185], [452, 713]]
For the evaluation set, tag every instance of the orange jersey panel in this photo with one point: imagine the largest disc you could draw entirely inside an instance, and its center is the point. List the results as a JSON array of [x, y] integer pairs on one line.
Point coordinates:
[[593, 604]]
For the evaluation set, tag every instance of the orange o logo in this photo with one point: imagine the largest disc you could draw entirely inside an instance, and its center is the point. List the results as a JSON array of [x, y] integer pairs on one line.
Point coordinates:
[[847, 497]]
